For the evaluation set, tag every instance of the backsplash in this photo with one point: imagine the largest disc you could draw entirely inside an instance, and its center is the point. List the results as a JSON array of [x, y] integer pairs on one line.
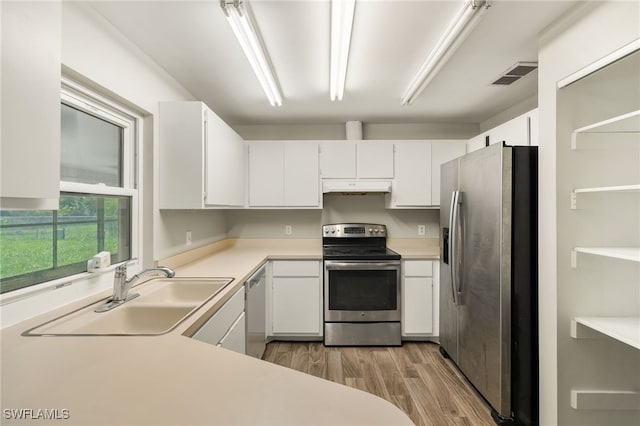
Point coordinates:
[[337, 208]]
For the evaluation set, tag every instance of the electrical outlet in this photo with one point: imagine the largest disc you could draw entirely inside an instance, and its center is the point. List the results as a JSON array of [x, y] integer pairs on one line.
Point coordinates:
[[288, 230], [422, 230], [188, 238]]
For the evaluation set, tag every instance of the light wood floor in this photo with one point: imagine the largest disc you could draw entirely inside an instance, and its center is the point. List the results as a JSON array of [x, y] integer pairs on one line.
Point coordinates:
[[414, 377]]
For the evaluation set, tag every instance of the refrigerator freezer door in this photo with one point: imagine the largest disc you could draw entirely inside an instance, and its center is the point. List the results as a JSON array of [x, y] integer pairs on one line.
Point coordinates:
[[448, 307], [484, 290]]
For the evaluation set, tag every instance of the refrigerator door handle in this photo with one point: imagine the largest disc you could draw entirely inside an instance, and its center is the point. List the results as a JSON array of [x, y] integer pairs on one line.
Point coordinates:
[[453, 236], [459, 242]]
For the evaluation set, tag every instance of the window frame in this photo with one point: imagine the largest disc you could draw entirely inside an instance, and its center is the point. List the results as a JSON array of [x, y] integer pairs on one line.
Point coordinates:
[[81, 97]]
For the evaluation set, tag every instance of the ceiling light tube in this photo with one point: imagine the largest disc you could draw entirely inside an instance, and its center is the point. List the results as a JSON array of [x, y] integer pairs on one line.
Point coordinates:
[[464, 22], [342, 12], [240, 19]]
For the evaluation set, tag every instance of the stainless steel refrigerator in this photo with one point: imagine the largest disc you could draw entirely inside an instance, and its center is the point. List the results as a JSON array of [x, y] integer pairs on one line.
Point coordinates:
[[488, 276]]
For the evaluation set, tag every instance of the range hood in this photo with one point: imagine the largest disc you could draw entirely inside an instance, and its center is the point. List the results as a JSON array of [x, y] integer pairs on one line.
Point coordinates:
[[356, 186]]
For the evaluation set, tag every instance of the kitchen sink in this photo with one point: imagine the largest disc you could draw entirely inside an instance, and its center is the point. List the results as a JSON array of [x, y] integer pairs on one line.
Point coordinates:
[[171, 290], [162, 305]]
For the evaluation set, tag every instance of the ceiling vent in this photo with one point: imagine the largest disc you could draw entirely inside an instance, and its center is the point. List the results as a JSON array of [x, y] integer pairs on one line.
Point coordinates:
[[515, 72]]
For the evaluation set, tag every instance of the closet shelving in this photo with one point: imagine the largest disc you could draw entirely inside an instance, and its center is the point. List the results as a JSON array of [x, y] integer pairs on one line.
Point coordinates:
[[624, 123], [625, 330]]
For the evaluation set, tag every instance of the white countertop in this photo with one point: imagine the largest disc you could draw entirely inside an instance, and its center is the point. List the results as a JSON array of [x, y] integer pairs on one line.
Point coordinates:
[[173, 379]]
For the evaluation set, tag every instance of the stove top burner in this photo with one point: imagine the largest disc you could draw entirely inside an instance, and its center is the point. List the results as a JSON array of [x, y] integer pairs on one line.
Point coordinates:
[[359, 253], [356, 241]]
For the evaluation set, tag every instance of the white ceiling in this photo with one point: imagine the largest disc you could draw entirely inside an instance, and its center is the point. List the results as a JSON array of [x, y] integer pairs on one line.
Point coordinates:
[[193, 42]]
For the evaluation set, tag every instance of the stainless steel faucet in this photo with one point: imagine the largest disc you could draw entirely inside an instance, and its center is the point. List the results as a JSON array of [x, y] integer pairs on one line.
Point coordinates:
[[122, 285]]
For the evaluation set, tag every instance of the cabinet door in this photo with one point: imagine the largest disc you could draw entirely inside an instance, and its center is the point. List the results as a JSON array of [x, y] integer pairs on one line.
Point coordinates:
[[224, 167], [412, 183], [219, 324], [301, 174], [417, 308], [296, 305], [533, 127], [441, 153], [375, 159], [30, 116], [513, 132], [477, 142], [338, 159], [266, 174], [235, 339]]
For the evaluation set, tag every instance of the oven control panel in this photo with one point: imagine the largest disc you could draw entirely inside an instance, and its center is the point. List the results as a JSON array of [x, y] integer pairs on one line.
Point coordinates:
[[354, 230]]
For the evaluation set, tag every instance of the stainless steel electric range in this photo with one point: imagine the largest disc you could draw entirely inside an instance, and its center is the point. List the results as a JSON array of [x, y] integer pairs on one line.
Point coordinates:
[[361, 286]]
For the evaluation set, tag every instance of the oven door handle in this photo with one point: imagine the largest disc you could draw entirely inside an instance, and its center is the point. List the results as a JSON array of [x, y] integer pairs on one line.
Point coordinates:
[[339, 265]]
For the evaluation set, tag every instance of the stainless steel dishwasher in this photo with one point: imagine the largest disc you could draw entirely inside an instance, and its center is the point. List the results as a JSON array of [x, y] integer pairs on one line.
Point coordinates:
[[256, 312]]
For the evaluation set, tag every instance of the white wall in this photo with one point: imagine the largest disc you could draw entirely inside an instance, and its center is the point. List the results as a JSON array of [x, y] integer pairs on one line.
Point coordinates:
[[96, 54], [369, 131], [509, 114], [583, 36], [337, 208], [87, 41]]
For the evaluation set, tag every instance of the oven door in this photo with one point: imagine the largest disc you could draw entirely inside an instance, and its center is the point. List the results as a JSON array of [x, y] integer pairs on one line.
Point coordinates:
[[361, 291]]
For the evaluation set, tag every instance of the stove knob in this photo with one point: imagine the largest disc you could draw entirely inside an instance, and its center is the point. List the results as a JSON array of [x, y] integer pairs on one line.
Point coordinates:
[[333, 231], [376, 230], [370, 230]]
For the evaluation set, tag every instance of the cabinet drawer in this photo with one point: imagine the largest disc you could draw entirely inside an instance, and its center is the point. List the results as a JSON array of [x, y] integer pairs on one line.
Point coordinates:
[[418, 268], [217, 326], [296, 268], [235, 339]]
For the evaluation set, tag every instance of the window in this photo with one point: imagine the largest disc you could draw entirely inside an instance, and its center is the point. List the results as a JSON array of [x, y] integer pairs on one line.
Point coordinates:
[[98, 198]]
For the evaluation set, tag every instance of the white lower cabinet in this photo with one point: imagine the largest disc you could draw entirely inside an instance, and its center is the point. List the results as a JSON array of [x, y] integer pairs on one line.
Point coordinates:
[[295, 299], [226, 328], [234, 339], [419, 299]]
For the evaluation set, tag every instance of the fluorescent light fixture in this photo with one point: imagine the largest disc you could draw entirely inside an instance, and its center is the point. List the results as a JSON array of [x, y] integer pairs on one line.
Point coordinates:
[[341, 23], [464, 22], [238, 13]]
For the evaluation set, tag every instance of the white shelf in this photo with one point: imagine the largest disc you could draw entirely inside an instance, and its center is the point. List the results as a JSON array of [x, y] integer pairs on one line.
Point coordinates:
[[582, 399], [625, 123], [622, 329], [612, 189], [625, 253]]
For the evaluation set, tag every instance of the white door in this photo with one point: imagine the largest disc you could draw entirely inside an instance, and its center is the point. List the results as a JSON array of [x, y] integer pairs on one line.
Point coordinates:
[[301, 175], [375, 159], [224, 168], [235, 339], [412, 184], [417, 308], [441, 152], [338, 159], [266, 174], [296, 305]]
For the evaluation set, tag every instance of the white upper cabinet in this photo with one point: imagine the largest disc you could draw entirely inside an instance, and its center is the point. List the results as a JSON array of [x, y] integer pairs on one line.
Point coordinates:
[[266, 174], [301, 174], [417, 171], [363, 159], [522, 130], [375, 159], [513, 132], [477, 142], [30, 96], [284, 174], [442, 152], [202, 160], [225, 163], [412, 183], [338, 159]]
